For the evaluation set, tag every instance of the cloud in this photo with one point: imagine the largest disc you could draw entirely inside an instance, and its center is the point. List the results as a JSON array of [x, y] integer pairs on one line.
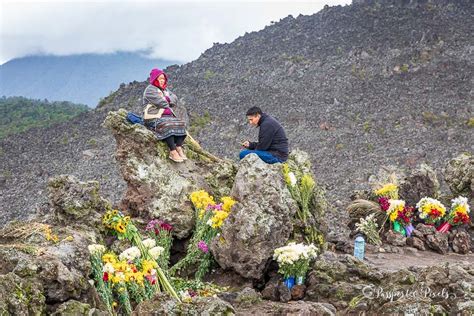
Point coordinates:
[[171, 30]]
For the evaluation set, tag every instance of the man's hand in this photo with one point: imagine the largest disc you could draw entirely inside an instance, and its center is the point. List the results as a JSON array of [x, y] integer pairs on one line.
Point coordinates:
[[246, 144]]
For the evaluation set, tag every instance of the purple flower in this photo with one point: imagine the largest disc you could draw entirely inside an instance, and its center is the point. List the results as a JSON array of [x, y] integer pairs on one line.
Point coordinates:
[[203, 246], [151, 225]]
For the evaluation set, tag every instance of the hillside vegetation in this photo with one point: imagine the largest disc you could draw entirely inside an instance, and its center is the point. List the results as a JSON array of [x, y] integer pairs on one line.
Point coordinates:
[[18, 114]]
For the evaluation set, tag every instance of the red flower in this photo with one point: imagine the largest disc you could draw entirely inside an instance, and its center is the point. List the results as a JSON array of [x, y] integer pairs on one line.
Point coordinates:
[[384, 204], [105, 277], [166, 226], [434, 213]]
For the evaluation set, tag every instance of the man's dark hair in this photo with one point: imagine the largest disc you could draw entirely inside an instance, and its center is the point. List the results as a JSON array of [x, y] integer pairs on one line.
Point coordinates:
[[254, 110]]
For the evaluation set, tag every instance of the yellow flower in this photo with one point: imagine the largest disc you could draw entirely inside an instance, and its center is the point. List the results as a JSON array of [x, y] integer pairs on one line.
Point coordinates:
[[120, 227], [218, 219], [126, 219], [148, 265], [201, 199], [114, 212], [389, 190], [227, 203], [114, 304], [109, 258]]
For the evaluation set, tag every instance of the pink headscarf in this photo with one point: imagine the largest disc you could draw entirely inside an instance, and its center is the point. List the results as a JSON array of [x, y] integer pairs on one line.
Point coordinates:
[[154, 74]]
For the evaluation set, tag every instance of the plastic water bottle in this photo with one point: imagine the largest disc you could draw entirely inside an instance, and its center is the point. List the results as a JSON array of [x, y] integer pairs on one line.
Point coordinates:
[[359, 247]]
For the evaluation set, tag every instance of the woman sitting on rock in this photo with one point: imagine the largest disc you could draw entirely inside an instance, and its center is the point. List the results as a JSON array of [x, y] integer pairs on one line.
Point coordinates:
[[159, 116]]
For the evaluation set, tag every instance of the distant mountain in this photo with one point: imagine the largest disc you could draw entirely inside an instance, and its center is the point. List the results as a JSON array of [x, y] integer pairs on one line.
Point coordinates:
[[19, 114], [77, 78]]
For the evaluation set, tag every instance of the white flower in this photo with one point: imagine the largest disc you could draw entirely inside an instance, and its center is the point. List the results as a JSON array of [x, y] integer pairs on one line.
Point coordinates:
[[96, 249], [292, 177], [155, 252], [209, 222], [460, 200], [109, 268], [149, 243], [130, 254]]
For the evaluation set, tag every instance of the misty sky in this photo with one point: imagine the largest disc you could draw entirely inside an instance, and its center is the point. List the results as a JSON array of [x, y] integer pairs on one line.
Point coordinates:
[[178, 30]]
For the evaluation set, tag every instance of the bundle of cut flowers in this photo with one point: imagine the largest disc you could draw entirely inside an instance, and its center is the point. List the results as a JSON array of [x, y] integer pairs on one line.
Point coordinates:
[[430, 210], [210, 216], [161, 231], [368, 226], [389, 190], [385, 193], [459, 212], [399, 212], [294, 259], [122, 226]]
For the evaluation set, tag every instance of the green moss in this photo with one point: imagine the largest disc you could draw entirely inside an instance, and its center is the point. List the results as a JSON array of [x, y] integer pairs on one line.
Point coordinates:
[[470, 122]]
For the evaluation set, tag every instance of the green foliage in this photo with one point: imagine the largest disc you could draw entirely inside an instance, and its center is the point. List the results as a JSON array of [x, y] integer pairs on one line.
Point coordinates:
[[366, 126], [18, 114], [404, 68], [209, 74], [199, 122]]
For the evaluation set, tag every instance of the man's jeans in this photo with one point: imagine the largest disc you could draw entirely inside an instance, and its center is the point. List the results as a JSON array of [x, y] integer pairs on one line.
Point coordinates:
[[264, 155]]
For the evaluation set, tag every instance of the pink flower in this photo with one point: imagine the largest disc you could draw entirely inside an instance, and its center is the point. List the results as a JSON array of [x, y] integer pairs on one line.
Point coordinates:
[[203, 246]]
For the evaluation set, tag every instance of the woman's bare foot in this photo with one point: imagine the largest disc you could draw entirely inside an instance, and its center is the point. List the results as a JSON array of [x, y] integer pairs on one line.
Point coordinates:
[[174, 155], [181, 153]]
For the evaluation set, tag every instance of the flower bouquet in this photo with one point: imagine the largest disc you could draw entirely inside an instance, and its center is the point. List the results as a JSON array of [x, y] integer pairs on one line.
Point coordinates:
[[385, 193], [368, 226], [161, 232], [430, 210], [210, 216], [457, 215], [400, 216], [123, 228], [293, 261]]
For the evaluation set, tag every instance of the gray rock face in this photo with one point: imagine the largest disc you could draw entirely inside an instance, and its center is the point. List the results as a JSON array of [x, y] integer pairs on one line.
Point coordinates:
[[416, 243], [420, 183], [438, 242], [338, 279], [395, 239], [158, 187], [74, 200], [461, 242], [459, 174], [161, 304], [261, 222]]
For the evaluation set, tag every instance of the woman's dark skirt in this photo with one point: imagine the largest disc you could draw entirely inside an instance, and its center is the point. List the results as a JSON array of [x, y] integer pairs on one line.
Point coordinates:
[[167, 126]]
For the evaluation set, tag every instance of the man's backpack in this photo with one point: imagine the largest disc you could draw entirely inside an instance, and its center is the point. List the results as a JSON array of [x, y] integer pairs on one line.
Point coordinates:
[[134, 118]]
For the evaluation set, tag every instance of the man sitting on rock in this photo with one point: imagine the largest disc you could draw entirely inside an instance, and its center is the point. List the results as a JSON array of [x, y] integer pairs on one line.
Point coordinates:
[[272, 145]]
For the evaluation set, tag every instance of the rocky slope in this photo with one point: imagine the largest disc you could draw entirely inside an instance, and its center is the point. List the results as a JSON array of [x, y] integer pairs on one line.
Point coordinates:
[[358, 87]]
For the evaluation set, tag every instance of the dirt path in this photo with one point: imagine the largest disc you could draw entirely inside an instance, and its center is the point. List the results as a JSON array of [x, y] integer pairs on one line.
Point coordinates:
[[396, 261]]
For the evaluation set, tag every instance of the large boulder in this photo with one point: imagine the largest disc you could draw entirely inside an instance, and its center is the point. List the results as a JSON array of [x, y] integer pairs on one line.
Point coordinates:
[[459, 175], [354, 287], [162, 304], [259, 223], [421, 182], [74, 200], [48, 259], [158, 187]]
